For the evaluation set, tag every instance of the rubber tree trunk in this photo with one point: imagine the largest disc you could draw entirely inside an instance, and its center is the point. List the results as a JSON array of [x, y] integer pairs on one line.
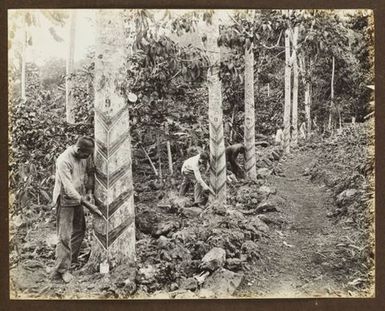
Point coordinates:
[[294, 120], [70, 114], [249, 134], [158, 150], [217, 145], [286, 113], [23, 64], [331, 95], [305, 74], [307, 107], [310, 124], [339, 117], [114, 234], [232, 125]]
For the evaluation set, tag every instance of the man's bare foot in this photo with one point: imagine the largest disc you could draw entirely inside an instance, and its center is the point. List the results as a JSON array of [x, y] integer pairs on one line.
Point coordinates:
[[67, 277], [55, 276]]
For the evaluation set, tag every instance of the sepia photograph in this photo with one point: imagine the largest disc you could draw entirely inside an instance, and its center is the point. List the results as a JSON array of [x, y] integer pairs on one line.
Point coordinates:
[[191, 154]]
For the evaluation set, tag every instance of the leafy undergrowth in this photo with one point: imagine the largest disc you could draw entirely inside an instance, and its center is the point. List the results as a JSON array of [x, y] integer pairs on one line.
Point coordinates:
[[346, 166], [185, 251], [173, 237]]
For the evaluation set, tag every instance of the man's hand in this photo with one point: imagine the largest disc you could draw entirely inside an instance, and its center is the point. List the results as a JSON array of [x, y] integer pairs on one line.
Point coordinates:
[[89, 198], [208, 189]]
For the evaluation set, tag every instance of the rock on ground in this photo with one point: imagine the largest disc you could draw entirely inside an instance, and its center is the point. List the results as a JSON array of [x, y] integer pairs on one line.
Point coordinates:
[[263, 172], [272, 204], [191, 212], [214, 259], [186, 295], [265, 190], [222, 283], [189, 284], [251, 250], [347, 196]]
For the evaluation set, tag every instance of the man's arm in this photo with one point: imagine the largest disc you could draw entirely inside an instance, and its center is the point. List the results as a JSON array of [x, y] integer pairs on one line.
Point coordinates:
[[90, 171], [199, 179], [64, 171]]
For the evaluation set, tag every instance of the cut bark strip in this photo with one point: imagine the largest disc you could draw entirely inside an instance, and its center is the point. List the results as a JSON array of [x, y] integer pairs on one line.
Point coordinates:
[[116, 175], [115, 233], [101, 148], [218, 172], [219, 188], [114, 119], [248, 159], [217, 128], [102, 118], [108, 239], [116, 144], [101, 178], [118, 202], [218, 140], [101, 238], [248, 148], [101, 206], [218, 157]]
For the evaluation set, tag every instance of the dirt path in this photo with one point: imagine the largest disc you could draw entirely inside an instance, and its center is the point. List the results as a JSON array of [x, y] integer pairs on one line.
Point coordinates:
[[300, 259]]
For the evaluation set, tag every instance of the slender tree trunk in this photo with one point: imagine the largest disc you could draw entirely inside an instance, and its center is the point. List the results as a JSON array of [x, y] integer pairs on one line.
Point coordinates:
[[249, 134], [159, 156], [268, 90], [286, 114], [331, 95], [307, 108], [310, 124], [169, 153], [294, 120], [232, 123], [150, 161], [70, 114], [23, 64], [217, 145], [305, 73], [114, 234]]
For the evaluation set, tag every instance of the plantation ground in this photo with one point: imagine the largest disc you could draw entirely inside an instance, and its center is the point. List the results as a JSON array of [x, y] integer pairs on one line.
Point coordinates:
[[304, 257], [303, 229]]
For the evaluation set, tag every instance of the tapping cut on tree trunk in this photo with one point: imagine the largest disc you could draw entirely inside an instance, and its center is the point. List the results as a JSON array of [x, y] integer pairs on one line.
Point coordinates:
[[217, 145], [286, 114], [70, 104], [249, 134], [114, 233], [294, 120]]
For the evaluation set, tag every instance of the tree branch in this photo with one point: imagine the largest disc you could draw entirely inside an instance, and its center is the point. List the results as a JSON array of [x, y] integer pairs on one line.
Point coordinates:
[[276, 45]]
